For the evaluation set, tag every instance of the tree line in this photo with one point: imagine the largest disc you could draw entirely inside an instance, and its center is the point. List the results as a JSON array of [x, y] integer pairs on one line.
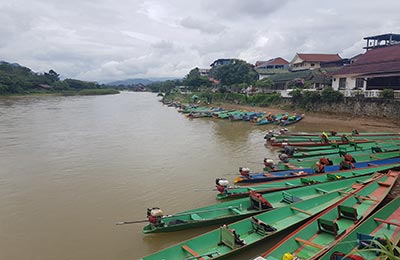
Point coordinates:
[[17, 79]]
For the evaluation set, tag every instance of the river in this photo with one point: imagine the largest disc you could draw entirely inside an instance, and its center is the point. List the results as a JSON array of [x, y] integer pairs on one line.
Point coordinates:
[[73, 166]]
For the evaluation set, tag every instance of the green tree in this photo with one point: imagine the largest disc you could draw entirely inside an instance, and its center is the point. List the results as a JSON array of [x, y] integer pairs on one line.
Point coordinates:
[[264, 83], [194, 80], [235, 73], [52, 76]]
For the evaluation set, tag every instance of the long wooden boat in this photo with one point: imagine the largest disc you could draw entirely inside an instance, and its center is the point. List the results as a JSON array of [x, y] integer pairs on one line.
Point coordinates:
[[291, 120], [298, 138], [234, 210], [238, 236], [359, 156], [265, 121], [206, 112], [229, 192], [315, 237], [311, 143], [342, 133], [270, 176], [293, 141], [373, 146], [384, 224], [253, 116]]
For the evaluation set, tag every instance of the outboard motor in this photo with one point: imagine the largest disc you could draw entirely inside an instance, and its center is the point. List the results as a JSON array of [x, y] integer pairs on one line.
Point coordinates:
[[154, 216], [244, 172], [222, 184]]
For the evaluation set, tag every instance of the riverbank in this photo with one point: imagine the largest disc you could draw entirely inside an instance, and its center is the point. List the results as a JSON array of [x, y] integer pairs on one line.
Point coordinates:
[[83, 92], [325, 122]]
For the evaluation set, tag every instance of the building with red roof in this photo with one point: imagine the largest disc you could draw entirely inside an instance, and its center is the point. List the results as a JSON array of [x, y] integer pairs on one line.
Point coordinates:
[[306, 61], [271, 67]]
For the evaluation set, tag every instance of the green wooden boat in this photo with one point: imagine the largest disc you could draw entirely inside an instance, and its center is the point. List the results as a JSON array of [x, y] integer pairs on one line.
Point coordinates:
[[282, 140], [294, 139], [229, 114], [310, 162], [241, 191], [238, 236], [341, 133], [234, 210], [315, 237], [222, 114], [359, 156], [383, 224], [373, 146]]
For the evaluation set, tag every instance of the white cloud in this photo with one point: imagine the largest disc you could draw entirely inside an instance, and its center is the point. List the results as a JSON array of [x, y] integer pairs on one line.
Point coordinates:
[[109, 40]]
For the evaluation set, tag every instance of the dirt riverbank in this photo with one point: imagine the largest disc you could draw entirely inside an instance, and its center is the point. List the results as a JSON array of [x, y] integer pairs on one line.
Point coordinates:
[[325, 122]]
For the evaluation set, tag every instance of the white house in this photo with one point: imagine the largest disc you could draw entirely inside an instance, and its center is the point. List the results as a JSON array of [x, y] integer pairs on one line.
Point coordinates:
[[377, 69], [306, 61]]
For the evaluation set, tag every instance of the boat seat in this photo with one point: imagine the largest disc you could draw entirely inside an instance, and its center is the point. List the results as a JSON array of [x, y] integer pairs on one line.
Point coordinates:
[[195, 217], [227, 238], [368, 241], [329, 226], [348, 212], [289, 198], [260, 227]]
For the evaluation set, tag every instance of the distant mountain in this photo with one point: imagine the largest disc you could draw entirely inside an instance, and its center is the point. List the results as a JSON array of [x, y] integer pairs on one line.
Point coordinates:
[[11, 64], [130, 82]]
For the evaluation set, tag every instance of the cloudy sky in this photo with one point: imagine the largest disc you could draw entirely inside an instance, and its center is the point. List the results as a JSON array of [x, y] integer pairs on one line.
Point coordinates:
[[105, 40]]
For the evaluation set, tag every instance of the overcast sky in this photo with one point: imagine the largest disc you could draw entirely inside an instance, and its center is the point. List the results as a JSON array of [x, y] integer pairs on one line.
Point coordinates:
[[104, 40]]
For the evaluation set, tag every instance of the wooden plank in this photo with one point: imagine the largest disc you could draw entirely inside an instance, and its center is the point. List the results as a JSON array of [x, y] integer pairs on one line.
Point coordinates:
[[309, 243], [387, 222], [366, 198], [302, 211], [192, 252]]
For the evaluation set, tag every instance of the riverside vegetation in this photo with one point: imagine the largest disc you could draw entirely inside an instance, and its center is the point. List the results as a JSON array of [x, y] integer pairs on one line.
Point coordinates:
[[19, 80]]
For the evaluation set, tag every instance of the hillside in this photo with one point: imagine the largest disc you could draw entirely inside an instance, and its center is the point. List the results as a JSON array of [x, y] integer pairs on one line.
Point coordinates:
[[17, 79]]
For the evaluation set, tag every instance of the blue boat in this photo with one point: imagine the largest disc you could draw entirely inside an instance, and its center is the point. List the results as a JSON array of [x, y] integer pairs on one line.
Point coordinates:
[[291, 120]]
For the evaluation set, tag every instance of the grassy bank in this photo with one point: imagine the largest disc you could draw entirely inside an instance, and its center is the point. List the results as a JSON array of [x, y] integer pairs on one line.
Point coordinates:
[[90, 92]]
